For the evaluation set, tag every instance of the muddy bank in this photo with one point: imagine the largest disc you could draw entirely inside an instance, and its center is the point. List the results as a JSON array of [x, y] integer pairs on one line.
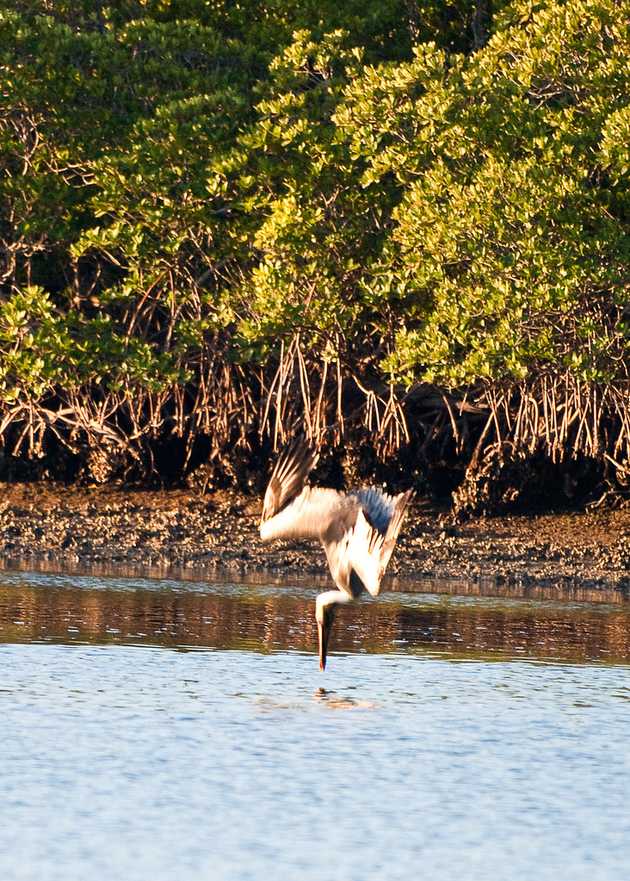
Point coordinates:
[[75, 527]]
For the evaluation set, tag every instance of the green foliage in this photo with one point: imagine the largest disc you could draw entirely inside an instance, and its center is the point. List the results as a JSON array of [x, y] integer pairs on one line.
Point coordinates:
[[216, 218], [511, 239]]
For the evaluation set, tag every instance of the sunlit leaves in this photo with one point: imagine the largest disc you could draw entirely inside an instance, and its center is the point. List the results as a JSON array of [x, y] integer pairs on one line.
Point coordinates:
[[213, 181]]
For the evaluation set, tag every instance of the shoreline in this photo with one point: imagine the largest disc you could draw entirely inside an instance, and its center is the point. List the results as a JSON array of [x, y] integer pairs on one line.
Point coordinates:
[[61, 528]]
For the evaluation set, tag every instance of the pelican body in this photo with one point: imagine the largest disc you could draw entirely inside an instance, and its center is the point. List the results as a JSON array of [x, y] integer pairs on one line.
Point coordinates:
[[358, 530]]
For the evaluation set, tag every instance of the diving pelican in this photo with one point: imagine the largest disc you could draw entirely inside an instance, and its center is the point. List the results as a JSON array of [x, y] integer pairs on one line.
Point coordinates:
[[358, 530]]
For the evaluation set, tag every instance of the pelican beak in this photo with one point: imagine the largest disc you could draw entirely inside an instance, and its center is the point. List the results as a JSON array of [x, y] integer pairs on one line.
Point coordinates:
[[323, 629], [323, 641]]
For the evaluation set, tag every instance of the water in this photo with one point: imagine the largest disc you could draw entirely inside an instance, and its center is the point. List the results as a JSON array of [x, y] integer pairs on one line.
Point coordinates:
[[156, 730]]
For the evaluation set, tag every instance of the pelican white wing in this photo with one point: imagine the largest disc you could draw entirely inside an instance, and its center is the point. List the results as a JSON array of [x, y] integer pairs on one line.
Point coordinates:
[[292, 510], [374, 536], [355, 545], [288, 478]]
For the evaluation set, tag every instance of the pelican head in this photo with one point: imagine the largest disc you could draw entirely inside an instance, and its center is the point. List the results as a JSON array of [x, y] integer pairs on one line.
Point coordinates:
[[325, 610]]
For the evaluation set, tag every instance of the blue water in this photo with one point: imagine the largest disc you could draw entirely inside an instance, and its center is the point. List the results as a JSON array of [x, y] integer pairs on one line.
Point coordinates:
[[145, 763]]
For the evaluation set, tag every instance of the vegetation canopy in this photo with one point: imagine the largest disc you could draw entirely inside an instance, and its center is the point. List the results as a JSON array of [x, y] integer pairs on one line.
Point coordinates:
[[401, 227]]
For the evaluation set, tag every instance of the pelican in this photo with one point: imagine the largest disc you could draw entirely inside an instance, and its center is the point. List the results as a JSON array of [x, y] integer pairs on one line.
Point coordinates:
[[358, 530]]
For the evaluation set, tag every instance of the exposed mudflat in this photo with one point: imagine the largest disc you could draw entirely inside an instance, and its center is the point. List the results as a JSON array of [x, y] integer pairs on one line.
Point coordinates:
[[44, 525]]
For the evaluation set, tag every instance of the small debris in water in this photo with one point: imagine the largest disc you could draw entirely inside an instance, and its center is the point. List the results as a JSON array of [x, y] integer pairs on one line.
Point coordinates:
[[336, 702]]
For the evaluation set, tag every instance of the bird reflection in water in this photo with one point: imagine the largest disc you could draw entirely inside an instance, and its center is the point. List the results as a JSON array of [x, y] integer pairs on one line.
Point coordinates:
[[334, 701]]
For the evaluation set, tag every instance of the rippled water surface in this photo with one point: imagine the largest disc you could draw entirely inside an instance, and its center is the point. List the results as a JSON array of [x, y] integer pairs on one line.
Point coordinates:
[[159, 729]]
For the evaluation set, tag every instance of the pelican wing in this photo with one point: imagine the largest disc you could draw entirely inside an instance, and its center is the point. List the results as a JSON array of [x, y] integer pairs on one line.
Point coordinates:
[[358, 531], [391, 535], [310, 515], [288, 477], [290, 509], [378, 506], [370, 548], [337, 537], [353, 548]]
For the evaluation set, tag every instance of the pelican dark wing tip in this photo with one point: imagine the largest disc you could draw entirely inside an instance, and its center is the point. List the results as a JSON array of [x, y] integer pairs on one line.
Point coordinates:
[[288, 476]]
